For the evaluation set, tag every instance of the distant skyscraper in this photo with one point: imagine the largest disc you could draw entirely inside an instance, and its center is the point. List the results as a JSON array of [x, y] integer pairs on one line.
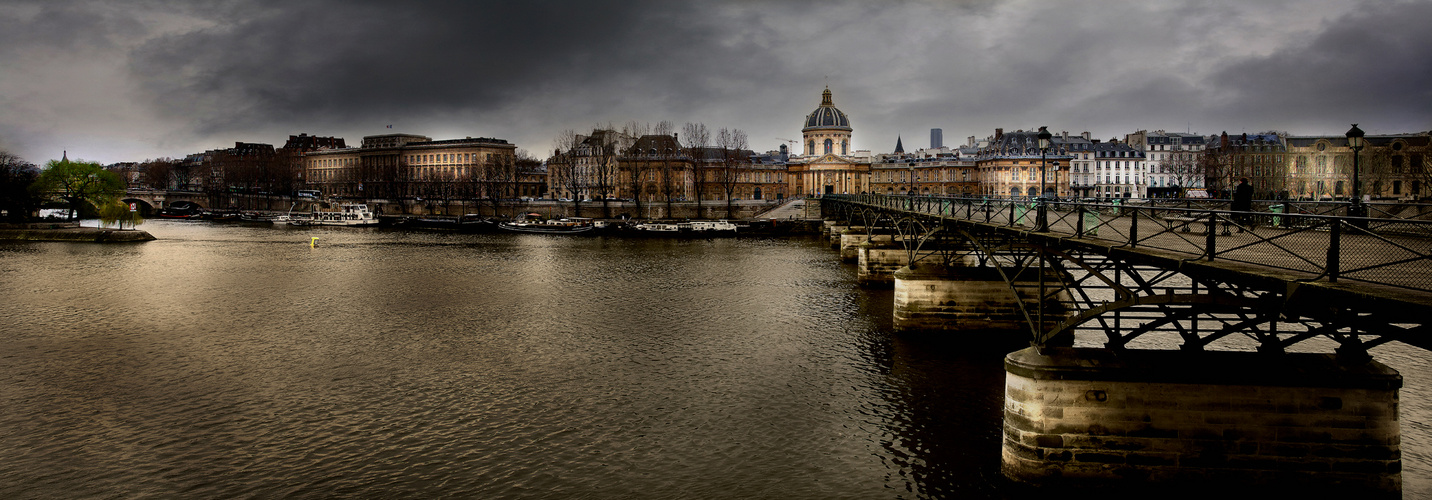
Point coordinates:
[[937, 138]]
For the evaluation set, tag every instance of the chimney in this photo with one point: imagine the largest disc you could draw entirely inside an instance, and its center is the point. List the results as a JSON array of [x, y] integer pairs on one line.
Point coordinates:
[[998, 134]]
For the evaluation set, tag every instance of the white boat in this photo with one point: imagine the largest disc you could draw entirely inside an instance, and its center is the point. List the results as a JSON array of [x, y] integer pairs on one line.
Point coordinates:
[[713, 228], [532, 223], [549, 227], [658, 229], [348, 214]]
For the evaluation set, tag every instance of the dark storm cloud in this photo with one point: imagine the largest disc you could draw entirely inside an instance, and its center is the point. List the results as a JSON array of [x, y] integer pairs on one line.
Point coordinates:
[[339, 61], [1371, 63], [57, 26]]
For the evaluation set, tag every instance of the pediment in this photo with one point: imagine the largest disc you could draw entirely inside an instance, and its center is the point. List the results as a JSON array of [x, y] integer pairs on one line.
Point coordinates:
[[831, 159]]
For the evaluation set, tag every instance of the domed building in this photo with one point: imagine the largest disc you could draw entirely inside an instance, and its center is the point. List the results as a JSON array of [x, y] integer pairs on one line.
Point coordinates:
[[827, 128], [829, 166]]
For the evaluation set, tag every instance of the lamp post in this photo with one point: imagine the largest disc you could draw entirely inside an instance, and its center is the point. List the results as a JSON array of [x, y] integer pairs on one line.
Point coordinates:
[[1041, 219], [1355, 143], [912, 179]]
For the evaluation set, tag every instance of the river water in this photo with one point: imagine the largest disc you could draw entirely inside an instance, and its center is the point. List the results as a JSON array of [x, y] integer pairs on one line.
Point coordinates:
[[234, 361]]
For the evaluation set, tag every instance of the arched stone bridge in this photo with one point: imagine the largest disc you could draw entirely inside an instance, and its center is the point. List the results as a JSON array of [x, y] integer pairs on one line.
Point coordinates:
[[153, 200]]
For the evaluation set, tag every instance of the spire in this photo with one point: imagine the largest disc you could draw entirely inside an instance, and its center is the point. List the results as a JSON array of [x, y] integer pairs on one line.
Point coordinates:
[[64, 156], [825, 98], [899, 148]]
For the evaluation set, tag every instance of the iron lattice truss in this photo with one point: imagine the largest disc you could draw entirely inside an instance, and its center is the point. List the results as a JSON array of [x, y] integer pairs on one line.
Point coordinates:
[[1128, 296]]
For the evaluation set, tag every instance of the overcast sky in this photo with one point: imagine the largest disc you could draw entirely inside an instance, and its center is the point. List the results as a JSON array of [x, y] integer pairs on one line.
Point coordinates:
[[124, 81]]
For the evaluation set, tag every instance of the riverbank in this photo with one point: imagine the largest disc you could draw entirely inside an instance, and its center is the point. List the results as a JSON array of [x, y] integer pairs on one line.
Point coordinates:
[[70, 231]]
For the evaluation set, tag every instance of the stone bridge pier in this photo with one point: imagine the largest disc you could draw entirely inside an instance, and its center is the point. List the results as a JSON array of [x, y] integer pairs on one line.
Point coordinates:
[[965, 297], [1202, 421]]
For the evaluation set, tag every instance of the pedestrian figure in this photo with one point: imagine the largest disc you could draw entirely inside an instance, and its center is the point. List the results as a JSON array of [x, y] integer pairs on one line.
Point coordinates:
[[1243, 196], [1242, 202]]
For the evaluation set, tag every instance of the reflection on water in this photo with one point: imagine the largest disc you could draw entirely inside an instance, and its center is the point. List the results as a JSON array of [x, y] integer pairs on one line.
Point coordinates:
[[237, 361]]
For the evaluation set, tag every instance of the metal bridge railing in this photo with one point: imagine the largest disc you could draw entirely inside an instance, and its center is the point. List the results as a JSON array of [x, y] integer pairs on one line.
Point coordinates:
[[1382, 250]]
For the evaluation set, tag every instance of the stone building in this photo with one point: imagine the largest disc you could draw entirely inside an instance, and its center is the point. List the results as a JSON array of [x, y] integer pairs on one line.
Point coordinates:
[[401, 166], [587, 167], [1391, 167], [655, 169], [1119, 170], [1171, 160], [1259, 157], [937, 171], [1010, 165], [828, 165]]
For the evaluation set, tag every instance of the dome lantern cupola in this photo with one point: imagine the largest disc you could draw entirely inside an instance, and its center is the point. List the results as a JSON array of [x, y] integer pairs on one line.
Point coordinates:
[[827, 116], [827, 129]]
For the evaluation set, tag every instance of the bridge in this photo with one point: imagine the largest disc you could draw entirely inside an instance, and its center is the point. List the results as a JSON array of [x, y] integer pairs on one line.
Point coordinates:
[[149, 201], [1246, 296]]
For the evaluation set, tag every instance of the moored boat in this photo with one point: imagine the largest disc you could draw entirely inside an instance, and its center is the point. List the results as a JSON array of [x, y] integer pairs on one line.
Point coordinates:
[[689, 229], [524, 224], [659, 229], [348, 214]]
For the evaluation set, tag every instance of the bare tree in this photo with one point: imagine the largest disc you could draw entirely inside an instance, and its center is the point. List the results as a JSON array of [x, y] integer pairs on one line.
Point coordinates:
[[563, 171], [499, 179], [697, 138], [673, 174], [606, 146], [1217, 166], [528, 174], [1184, 170], [732, 146]]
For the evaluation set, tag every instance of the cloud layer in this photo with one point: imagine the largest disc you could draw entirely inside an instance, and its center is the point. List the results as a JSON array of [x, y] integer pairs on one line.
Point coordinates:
[[164, 78]]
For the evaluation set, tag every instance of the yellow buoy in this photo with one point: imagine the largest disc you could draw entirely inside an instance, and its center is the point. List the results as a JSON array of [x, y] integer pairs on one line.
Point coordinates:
[[313, 243]]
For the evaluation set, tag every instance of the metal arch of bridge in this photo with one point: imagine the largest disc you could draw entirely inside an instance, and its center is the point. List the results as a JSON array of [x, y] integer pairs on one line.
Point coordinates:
[[921, 237], [1123, 293]]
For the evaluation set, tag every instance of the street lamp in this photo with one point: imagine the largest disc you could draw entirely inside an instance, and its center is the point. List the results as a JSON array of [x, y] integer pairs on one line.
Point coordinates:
[[1355, 142], [912, 179], [1041, 222]]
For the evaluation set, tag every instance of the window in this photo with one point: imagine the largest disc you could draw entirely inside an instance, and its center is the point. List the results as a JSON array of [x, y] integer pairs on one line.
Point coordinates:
[[828, 143]]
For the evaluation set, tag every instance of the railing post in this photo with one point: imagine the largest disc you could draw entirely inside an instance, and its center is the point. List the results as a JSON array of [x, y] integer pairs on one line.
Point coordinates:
[[1334, 250], [1211, 242], [1133, 226], [1041, 215], [1079, 220]]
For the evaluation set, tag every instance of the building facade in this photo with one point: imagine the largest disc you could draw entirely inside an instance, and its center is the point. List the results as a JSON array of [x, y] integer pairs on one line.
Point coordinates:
[[1119, 170], [1013, 165], [1172, 161], [586, 167], [828, 165], [1390, 167], [926, 172], [401, 166], [1260, 157]]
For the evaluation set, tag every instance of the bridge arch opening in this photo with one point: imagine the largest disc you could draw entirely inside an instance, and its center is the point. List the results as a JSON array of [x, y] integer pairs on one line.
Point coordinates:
[[144, 207]]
